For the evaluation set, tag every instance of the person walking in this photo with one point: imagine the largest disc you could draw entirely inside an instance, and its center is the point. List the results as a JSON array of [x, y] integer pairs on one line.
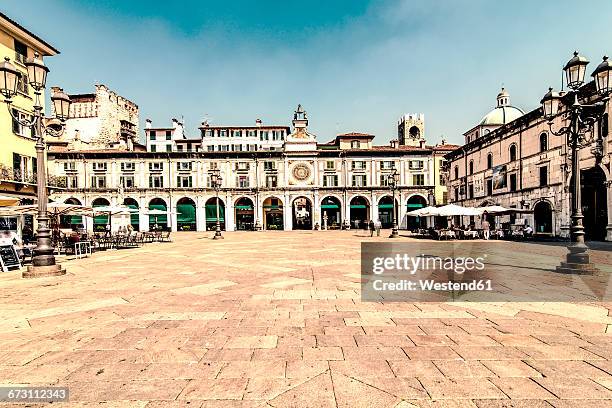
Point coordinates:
[[377, 227], [371, 226], [486, 228]]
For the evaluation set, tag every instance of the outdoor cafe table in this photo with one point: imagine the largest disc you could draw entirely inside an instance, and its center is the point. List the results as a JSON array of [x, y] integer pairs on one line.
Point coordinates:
[[470, 234]]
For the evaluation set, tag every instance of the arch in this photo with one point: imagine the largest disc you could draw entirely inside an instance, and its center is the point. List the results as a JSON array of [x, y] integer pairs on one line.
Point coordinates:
[[543, 142], [490, 161], [211, 206], [71, 221], [385, 211], [414, 132], [542, 215], [100, 221], [273, 213], [302, 213], [513, 152], [134, 217], [456, 172], [594, 196], [359, 211], [413, 203], [244, 214], [331, 212], [158, 221], [186, 216]]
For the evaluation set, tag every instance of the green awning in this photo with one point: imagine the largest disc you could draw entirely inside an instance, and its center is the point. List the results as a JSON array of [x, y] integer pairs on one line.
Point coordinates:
[[158, 219], [101, 219], [211, 212], [329, 206], [358, 206], [411, 205], [244, 207], [274, 207], [186, 213], [134, 217], [385, 205]]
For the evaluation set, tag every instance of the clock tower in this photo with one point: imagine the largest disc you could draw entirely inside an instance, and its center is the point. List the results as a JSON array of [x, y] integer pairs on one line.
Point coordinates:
[[411, 130]]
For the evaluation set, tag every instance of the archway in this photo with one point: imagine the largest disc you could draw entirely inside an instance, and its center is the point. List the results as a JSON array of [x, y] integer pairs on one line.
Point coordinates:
[[414, 203], [134, 217], [273, 213], [302, 214], [71, 221], [158, 221], [100, 221], [385, 211], [594, 203], [244, 214], [211, 214], [414, 132], [542, 214], [360, 212], [331, 213], [186, 214]]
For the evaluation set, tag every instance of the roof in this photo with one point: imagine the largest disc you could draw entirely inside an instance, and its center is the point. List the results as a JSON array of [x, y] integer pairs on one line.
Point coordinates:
[[501, 115], [19, 30], [355, 135], [244, 127]]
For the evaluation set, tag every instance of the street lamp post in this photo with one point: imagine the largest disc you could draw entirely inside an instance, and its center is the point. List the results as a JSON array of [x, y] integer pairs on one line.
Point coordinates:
[[581, 132], [392, 181], [216, 181], [43, 261]]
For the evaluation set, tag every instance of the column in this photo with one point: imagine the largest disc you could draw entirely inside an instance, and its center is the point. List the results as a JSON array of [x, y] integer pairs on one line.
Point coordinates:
[[229, 213], [609, 202], [172, 219], [316, 210], [287, 213], [143, 219], [373, 207], [200, 214]]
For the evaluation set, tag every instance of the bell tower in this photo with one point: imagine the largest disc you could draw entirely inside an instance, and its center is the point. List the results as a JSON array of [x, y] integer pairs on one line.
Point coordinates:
[[411, 130]]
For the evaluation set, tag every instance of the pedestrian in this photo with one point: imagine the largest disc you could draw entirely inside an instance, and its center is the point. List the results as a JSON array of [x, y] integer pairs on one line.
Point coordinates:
[[485, 228], [107, 230], [378, 226], [371, 227]]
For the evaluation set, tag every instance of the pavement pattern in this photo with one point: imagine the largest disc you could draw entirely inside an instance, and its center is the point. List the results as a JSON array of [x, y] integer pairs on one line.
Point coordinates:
[[274, 319]]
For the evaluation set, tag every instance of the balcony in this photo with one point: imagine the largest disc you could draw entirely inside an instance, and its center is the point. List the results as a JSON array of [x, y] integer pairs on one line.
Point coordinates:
[[8, 174]]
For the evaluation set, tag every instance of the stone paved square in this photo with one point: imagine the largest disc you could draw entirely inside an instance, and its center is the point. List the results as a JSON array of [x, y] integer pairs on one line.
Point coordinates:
[[275, 319]]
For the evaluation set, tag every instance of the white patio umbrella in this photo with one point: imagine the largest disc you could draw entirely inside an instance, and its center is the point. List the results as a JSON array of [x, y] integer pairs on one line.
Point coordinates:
[[54, 209], [451, 210], [421, 212], [114, 210], [493, 209]]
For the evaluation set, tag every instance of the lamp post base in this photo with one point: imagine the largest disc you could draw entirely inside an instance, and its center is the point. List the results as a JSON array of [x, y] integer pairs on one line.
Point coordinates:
[[577, 268], [394, 233], [218, 235], [43, 271]]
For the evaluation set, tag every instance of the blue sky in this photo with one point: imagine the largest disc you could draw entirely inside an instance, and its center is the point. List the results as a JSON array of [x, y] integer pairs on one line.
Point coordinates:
[[355, 65]]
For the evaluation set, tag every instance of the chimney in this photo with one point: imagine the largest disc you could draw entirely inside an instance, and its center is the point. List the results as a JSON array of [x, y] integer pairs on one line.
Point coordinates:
[[394, 144], [258, 122], [148, 124], [174, 123]]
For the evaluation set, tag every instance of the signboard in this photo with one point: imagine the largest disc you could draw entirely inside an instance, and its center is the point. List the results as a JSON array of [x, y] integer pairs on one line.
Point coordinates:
[[499, 177], [9, 258], [479, 185]]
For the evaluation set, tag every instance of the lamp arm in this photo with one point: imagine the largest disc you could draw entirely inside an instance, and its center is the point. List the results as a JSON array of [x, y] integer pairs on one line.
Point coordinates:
[[56, 131], [562, 131], [22, 122]]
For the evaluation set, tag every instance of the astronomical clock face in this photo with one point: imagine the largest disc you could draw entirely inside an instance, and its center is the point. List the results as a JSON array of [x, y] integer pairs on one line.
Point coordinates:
[[301, 173]]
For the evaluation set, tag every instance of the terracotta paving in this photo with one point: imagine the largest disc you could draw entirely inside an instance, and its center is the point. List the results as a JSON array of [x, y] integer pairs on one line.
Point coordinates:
[[274, 319]]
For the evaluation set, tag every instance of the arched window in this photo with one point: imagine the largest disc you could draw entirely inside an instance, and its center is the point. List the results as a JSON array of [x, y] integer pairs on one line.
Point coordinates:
[[489, 161], [512, 152], [456, 172], [355, 144], [471, 170], [543, 142]]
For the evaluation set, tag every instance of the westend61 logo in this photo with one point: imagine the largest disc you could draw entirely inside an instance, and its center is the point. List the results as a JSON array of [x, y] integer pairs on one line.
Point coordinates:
[[422, 262]]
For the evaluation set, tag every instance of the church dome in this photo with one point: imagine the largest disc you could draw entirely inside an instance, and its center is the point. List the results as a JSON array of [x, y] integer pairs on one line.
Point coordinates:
[[504, 112]]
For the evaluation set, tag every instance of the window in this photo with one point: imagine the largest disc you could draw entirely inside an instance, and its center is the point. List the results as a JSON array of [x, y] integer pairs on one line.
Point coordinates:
[[208, 133], [210, 148], [70, 166], [471, 167], [98, 181], [543, 176], [489, 161], [441, 181], [252, 133], [418, 179], [512, 152], [243, 166], [22, 84], [156, 166], [263, 135], [126, 181], [359, 180], [72, 182], [183, 166], [359, 165], [20, 130], [355, 144], [330, 180], [99, 166], [179, 148], [457, 193], [152, 134], [224, 148], [168, 135], [271, 181], [489, 187], [384, 180], [21, 52], [237, 133], [128, 166], [269, 166], [276, 135], [242, 181], [387, 165], [330, 165], [223, 133], [213, 166], [512, 182], [184, 182], [470, 190], [543, 142], [456, 172], [153, 148], [156, 181], [415, 164], [603, 125], [168, 148]]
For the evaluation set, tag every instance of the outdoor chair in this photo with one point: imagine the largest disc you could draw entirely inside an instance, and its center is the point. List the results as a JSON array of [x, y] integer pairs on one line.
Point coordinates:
[[164, 236]]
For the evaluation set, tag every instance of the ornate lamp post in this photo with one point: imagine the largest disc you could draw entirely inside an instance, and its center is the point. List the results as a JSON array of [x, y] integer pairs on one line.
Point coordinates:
[[581, 132], [392, 181], [43, 262], [216, 180]]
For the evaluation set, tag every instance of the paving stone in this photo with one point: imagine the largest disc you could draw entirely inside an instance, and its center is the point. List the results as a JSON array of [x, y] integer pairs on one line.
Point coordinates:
[[577, 388], [521, 388], [461, 388]]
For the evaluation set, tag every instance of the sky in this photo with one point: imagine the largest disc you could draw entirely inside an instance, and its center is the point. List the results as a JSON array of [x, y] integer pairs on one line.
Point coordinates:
[[355, 65]]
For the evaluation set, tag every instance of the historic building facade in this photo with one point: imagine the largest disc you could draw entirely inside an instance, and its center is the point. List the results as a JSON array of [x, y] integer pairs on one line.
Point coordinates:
[[299, 185], [512, 159]]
